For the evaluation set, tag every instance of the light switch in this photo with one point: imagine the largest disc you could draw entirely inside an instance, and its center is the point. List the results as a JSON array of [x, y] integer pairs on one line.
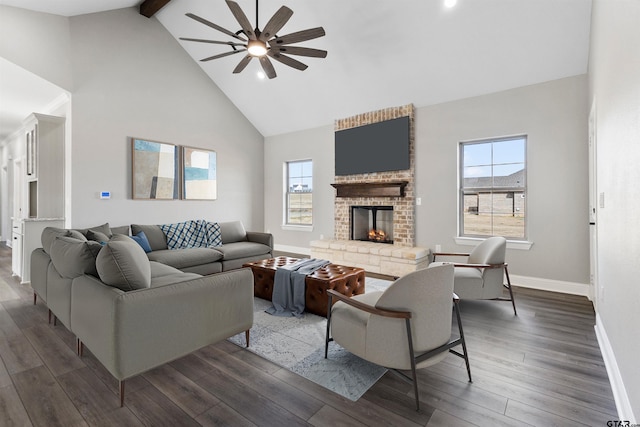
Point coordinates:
[[602, 200], [418, 201]]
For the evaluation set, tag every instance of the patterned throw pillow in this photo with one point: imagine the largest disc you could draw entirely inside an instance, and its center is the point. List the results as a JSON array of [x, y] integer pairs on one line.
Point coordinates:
[[192, 234], [214, 235]]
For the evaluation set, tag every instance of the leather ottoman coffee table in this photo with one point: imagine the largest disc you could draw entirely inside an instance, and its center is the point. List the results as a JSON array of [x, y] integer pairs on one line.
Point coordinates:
[[348, 281]]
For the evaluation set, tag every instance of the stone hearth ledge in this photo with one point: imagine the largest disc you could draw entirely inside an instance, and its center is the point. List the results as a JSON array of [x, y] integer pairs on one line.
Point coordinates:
[[378, 258]]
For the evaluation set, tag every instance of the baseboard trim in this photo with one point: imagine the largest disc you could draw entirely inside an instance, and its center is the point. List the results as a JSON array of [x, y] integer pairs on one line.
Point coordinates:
[[292, 249], [573, 288], [623, 405]]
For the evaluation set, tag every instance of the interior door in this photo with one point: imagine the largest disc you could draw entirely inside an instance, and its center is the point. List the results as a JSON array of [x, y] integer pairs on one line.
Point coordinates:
[[596, 293]]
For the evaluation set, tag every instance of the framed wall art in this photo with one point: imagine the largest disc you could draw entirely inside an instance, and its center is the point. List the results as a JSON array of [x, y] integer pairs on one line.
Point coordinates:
[[199, 174], [155, 168]]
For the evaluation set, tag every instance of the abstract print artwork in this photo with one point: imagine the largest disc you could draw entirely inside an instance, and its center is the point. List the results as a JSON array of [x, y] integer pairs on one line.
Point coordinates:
[[199, 174], [155, 170]]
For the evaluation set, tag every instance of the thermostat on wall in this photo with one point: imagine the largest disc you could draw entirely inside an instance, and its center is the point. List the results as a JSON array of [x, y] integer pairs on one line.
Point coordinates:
[[105, 194]]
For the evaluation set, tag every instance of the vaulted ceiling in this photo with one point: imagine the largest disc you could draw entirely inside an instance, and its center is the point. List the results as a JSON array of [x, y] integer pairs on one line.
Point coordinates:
[[381, 53]]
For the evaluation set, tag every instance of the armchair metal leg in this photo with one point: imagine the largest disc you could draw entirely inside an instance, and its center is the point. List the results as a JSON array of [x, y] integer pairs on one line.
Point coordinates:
[[246, 336], [413, 364], [327, 339], [513, 301], [465, 356]]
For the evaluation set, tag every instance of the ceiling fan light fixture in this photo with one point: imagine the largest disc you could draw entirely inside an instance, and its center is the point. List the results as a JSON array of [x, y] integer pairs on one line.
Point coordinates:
[[257, 48]]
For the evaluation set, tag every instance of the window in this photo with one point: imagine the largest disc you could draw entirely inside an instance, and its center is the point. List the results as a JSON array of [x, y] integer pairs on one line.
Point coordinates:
[[299, 196], [493, 188]]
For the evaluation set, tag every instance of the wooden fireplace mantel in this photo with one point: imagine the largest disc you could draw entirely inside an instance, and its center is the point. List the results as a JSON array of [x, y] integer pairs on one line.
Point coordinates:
[[371, 189]]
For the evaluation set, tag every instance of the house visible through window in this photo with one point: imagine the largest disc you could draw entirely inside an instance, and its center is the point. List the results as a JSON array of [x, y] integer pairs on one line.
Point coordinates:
[[299, 197], [493, 188]]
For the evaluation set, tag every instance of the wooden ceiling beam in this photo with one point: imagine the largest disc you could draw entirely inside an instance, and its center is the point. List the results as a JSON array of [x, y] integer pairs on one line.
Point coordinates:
[[149, 8]]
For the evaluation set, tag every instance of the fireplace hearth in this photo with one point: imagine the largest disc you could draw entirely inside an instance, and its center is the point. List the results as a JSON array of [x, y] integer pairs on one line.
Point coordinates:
[[372, 223]]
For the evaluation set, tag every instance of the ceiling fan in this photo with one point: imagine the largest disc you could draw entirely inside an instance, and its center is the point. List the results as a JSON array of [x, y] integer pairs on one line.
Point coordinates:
[[263, 44]]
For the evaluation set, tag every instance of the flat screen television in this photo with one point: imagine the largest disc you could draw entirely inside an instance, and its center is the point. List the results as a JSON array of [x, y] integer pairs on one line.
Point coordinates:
[[378, 147]]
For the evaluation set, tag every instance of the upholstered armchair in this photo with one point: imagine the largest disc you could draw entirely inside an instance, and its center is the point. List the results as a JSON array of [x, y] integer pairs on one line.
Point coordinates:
[[482, 274], [406, 327]]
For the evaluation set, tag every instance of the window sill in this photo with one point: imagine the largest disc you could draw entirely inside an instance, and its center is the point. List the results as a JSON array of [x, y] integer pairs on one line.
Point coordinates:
[[521, 245], [289, 227]]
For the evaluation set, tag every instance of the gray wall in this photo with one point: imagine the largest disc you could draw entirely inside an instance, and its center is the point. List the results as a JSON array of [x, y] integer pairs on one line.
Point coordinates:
[[317, 145], [38, 42], [131, 78], [553, 115], [614, 71]]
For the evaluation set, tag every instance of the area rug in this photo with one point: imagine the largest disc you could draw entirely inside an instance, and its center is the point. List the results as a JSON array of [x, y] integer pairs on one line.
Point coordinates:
[[297, 344]]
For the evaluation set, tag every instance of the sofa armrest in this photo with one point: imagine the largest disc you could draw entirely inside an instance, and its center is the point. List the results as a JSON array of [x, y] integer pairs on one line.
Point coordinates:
[[258, 237], [132, 332]]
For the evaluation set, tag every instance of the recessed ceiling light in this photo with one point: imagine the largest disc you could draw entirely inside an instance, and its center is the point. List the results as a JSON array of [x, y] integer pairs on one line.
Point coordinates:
[[261, 75], [450, 3]]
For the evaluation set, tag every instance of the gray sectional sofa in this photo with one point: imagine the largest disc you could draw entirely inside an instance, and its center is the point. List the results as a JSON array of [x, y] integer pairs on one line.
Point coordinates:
[[238, 247], [123, 303]]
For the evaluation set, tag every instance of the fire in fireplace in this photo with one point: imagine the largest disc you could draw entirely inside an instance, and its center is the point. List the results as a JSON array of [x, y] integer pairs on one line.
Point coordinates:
[[372, 223]]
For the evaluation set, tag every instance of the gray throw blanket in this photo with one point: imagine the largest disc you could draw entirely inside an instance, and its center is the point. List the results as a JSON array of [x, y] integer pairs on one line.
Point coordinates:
[[289, 287]]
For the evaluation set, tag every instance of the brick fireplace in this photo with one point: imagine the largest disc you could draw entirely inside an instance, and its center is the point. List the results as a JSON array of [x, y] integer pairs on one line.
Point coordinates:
[[403, 207], [392, 191]]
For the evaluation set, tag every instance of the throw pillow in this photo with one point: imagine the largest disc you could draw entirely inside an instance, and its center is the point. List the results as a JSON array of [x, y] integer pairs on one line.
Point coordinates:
[[142, 240], [155, 235], [188, 234], [104, 229], [76, 235], [123, 229], [73, 257], [123, 264], [97, 236], [214, 235]]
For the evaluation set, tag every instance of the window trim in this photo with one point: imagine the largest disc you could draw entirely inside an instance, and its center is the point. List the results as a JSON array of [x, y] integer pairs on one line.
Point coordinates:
[[286, 225], [472, 239]]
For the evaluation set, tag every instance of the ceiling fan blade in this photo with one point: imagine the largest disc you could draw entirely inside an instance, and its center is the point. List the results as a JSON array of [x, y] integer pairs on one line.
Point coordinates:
[[298, 36], [267, 66], [242, 64], [302, 51], [276, 22], [287, 60], [211, 41], [242, 19], [214, 26], [222, 55]]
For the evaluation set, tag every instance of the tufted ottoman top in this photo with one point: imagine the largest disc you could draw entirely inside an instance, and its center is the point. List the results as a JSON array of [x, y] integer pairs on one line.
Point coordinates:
[[348, 281]]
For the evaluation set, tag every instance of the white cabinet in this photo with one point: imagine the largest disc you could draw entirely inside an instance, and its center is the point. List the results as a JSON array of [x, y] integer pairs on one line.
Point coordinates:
[[29, 239], [16, 248], [44, 140], [43, 179]]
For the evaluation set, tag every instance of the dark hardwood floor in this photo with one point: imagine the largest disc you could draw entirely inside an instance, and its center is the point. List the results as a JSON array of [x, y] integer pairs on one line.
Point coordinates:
[[541, 368]]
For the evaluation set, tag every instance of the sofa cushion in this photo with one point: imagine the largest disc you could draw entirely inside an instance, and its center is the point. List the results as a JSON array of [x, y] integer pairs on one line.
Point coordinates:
[[49, 234], [184, 258], [104, 229], [76, 234], [142, 240], [233, 231], [157, 239], [162, 275], [123, 264], [122, 229], [73, 257], [97, 236], [240, 250]]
